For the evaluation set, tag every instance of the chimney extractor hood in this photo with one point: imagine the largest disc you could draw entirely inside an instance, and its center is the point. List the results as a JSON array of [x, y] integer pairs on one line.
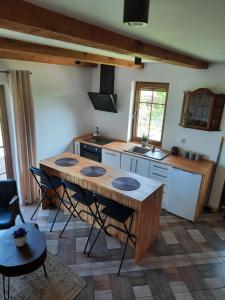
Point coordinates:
[[105, 100]]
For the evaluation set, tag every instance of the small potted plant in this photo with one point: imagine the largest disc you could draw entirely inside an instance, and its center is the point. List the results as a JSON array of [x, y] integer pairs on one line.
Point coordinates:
[[144, 140], [20, 237]]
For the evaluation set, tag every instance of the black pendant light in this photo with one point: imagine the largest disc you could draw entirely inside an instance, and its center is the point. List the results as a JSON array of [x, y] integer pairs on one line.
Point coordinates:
[[137, 60], [135, 12]]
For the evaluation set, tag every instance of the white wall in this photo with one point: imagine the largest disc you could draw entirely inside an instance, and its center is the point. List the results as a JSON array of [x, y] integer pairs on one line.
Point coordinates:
[[63, 110], [61, 104], [180, 79]]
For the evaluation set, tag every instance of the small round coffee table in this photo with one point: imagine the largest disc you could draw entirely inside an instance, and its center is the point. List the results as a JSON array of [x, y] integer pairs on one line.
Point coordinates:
[[16, 261]]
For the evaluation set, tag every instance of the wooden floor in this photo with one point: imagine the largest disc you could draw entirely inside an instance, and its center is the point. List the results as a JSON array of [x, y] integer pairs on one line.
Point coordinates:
[[186, 262]]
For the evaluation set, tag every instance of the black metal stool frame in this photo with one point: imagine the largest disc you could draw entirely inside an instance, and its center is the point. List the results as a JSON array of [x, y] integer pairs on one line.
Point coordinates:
[[75, 213], [4, 288], [44, 189], [130, 236]]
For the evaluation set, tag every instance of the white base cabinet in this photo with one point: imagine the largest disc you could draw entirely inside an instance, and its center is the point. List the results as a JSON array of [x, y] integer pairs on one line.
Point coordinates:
[[181, 188], [141, 166], [127, 162], [111, 158], [183, 193], [135, 165]]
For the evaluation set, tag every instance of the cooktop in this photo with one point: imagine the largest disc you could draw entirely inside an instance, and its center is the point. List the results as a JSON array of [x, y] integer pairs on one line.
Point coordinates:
[[93, 171], [99, 141], [126, 183], [66, 162]]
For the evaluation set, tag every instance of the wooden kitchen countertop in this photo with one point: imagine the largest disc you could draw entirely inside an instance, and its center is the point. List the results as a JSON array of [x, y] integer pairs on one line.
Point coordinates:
[[201, 167], [147, 188]]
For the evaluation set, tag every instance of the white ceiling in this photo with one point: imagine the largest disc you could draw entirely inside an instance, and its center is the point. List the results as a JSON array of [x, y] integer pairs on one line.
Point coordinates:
[[194, 27]]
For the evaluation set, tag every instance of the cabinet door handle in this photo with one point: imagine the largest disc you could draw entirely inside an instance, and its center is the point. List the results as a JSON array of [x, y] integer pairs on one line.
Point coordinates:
[[156, 174], [160, 167], [112, 154], [131, 164], [135, 166]]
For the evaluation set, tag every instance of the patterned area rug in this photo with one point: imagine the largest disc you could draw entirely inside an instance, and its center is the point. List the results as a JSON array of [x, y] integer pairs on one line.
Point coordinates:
[[61, 284]]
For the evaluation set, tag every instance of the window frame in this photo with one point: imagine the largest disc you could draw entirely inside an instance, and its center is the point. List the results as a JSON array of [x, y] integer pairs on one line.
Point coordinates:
[[151, 86]]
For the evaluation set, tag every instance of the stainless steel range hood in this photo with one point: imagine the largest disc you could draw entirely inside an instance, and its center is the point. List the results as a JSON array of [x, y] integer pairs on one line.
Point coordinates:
[[106, 100]]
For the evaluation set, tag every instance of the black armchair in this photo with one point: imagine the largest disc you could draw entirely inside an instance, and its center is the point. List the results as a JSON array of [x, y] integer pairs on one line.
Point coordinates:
[[9, 204]]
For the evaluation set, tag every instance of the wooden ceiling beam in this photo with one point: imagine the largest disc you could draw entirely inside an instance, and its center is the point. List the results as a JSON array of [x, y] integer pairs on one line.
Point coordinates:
[[18, 15], [5, 54], [27, 51]]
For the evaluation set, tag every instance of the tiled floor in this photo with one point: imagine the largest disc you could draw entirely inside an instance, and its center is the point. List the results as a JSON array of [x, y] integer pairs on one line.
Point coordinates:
[[186, 262]]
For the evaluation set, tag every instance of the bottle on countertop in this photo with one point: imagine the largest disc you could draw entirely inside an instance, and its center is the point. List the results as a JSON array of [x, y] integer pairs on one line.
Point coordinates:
[[175, 150]]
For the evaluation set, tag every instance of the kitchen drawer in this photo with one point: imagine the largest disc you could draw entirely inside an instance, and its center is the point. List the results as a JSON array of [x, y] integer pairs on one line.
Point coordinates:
[[159, 169], [111, 158], [164, 178]]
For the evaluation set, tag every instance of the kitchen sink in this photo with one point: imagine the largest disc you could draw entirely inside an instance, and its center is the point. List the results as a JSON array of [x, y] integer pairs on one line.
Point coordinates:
[[138, 150], [157, 154]]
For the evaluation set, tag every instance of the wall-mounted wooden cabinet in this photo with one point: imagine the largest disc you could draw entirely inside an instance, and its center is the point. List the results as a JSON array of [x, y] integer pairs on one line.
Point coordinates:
[[202, 109]]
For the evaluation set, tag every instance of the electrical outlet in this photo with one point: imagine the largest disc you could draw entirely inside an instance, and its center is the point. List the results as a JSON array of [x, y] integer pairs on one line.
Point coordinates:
[[183, 141]]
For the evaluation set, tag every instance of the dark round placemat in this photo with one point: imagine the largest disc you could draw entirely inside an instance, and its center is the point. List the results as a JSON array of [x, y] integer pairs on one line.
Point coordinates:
[[93, 171], [66, 162], [126, 183]]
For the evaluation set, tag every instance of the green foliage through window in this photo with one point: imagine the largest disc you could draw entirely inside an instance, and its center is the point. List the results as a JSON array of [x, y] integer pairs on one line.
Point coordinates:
[[150, 111]]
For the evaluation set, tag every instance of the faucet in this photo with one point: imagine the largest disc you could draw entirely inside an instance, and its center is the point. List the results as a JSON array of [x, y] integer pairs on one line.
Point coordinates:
[[151, 147]]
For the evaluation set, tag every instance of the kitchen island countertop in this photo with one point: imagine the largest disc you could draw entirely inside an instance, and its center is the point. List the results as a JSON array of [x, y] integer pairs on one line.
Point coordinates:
[[146, 200], [147, 186]]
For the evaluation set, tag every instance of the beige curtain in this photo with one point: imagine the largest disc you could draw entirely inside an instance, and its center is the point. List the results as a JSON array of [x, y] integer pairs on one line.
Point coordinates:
[[25, 132]]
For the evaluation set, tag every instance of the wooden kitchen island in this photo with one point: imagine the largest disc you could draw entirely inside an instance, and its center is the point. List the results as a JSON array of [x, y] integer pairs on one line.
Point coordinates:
[[146, 200]]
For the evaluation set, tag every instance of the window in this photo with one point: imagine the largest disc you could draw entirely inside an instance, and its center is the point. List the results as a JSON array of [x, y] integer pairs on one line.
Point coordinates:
[[149, 111]]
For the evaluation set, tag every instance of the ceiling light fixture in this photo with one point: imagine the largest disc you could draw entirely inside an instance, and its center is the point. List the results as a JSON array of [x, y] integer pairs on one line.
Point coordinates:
[[135, 12]]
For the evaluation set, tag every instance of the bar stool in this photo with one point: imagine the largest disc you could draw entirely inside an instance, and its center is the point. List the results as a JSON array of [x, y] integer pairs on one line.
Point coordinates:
[[81, 196], [47, 183], [119, 213]]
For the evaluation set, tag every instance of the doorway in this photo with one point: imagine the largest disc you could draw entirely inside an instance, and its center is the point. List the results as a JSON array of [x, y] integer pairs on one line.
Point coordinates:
[[6, 169]]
